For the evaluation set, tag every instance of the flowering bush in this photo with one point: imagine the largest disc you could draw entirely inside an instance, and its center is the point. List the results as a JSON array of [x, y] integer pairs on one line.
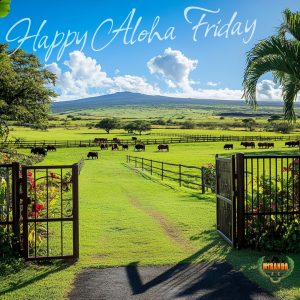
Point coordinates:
[[209, 174], [269, 227]]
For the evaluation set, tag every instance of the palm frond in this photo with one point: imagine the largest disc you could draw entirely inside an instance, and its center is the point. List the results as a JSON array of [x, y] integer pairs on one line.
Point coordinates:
[[291, 24]]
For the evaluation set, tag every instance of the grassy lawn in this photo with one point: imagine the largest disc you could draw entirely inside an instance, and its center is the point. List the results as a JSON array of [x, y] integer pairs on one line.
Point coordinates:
[[127, 217]]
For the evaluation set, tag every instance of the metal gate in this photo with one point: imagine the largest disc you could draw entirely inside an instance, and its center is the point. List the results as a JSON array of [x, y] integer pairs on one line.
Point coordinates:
[[39, 205], [226, 198]]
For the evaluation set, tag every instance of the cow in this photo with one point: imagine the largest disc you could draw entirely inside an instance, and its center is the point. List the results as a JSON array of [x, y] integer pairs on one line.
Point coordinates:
[[228, 146], [134, 139], [98, 141], [51, 148], [114, 147], [139, 147], [39, 151], [265, 145], [248, 144], [125, 147], [116, 140], [163, 147], [292, 144], [104, 147], [92, 155]]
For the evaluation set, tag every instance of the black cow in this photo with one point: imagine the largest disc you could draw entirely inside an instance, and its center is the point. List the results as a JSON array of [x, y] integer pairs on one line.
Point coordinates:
[[104, 147], [292, 144], [125, 147], [39, 151], [248, 144], [114, 147], [139, 147], [163, 147], [51, 148], [92, 155], [228, 147]]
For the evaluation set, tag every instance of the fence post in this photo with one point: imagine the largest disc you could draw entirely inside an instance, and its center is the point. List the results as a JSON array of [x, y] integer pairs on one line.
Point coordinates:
[[142, 164], [240, 207], [151, 166], [135, 162], [203, 180], [179, 175], [16, 204], [162, 171], [75, 184]]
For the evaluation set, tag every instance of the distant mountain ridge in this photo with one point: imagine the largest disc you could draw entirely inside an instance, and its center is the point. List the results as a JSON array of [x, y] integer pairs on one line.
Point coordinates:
[[128, 98]]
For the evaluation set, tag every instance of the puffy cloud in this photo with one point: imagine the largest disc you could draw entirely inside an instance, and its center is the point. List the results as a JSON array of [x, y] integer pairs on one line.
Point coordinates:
[[268, 90], [85, 78], [174, 67]]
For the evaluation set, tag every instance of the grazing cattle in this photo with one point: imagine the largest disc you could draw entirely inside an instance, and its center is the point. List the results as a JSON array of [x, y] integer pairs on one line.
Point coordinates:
[[114, 147], [125, 147], [134, 139], [292, 144], [265, 145], [100, 140], [104, 146], [248, 144], [51, 148], [228, 146], [139, 147], [39, 151], [163, 147], [116, 140], [92, 155]]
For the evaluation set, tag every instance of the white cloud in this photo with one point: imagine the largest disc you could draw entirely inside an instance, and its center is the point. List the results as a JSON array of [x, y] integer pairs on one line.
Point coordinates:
[[174, 67], [85, 78], [212, 84], [268, 90]]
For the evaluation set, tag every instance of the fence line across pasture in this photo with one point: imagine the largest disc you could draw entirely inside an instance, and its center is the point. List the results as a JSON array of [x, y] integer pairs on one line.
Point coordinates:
[[151, 141], [189, 176]]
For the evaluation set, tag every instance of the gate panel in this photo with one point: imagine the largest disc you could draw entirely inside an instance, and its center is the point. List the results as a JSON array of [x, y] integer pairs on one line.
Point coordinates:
[[225, 190], [9, 209], [50, 212]]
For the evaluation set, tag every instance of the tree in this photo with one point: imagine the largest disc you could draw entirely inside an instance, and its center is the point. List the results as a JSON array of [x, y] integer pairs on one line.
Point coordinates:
[[138, 125], [249, 123], [279, 54], [188, 125], [108, 124], [25, 90], [4, 8], [129, 127]]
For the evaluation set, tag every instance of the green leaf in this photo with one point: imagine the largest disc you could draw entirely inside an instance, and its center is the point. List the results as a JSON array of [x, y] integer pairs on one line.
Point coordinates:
[[4, 8]]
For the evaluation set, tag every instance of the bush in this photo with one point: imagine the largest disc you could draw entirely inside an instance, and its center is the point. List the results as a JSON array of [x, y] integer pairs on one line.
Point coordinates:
[[283, 127], [188, 125]]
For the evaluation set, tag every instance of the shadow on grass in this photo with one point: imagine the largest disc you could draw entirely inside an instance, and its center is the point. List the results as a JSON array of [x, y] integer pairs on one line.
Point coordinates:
[[24, 282]]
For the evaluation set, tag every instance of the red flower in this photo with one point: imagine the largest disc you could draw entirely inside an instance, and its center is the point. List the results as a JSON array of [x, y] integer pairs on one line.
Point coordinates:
[[38, 207], [35, 214]]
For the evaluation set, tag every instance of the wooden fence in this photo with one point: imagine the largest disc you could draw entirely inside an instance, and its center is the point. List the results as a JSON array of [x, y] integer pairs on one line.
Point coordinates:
[[188, 176], [151, 141]]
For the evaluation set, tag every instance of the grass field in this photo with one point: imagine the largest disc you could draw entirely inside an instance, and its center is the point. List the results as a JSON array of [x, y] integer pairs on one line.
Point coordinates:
[[127, 216]]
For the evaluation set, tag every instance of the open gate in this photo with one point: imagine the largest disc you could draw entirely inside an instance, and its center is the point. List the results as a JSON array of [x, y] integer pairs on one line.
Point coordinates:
[[226, 198], [230, 198], [40, 207]]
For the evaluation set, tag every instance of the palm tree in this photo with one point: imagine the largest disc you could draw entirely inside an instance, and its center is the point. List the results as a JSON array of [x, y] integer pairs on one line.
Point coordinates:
[[279, 54]]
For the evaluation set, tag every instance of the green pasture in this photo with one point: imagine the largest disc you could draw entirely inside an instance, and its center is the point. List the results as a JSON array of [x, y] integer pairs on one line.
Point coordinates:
[[84, 134], [129, 217]]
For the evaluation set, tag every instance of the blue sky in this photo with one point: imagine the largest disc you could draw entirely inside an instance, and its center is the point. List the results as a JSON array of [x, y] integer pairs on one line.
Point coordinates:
[[211, 67]]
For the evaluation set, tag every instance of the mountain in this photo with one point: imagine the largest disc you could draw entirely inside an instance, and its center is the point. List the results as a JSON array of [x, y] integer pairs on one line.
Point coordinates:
[[127, 98]]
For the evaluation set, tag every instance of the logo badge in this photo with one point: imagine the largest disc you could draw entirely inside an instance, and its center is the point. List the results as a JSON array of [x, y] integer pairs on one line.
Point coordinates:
[[4, 8], [276, 268]]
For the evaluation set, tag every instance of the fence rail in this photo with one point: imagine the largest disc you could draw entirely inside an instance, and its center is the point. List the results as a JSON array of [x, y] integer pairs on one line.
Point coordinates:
[[172, 139], [188, 176]]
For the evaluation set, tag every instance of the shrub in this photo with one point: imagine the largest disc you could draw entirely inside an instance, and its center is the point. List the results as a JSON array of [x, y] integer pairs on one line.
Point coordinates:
[[188, 125]]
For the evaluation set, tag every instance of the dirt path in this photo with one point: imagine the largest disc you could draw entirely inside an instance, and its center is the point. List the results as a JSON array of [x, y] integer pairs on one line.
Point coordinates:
[[168, 228]]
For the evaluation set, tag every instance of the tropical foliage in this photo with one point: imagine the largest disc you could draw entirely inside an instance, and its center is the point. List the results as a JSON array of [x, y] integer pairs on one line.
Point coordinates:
[[279, 54]]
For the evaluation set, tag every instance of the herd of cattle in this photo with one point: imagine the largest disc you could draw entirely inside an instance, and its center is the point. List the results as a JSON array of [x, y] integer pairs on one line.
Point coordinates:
[[265, 145], [116, 144]]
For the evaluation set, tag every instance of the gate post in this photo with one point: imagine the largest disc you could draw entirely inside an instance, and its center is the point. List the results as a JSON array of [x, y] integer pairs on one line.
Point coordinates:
[[16, 204], [240, 207], [75, 211]]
